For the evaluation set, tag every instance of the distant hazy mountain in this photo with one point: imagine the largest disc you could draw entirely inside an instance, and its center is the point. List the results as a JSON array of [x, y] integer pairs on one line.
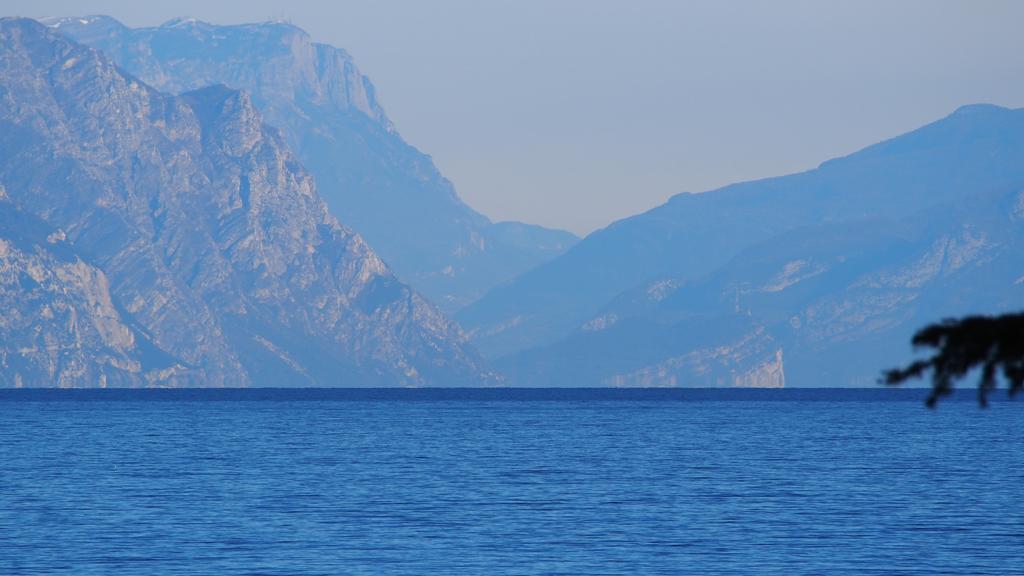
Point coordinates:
[[823, 305], [147, 239], [385, 189], [846, 205]]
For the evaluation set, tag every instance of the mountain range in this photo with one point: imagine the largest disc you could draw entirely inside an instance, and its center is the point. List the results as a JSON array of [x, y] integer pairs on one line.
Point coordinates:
[[826, 273], [152, 239], [330, 116], [176, 203]]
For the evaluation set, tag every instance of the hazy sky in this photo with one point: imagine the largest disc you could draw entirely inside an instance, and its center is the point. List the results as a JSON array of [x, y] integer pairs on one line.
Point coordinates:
[[574, 113]]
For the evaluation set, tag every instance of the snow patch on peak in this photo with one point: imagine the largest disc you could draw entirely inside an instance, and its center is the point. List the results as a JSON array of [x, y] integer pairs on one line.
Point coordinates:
[[181, 22], [80, 22]]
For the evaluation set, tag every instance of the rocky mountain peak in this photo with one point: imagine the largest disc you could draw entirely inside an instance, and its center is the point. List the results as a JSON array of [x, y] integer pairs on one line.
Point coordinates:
[[183, 21], [278, 60], [199, 248], [98, 21], [980, 109], [329, 114], [228, 118]]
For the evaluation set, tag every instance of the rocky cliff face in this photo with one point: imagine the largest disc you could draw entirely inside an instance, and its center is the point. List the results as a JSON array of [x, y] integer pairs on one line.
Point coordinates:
[[721, 367], [656, 351], [200, 252], [388, 191], [59, 324], [839, 301]]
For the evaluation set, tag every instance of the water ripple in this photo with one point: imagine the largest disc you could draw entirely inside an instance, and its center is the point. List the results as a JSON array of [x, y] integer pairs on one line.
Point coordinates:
[[524, 487]]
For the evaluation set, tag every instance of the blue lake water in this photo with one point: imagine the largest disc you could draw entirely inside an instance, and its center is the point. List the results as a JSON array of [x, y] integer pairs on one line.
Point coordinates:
[[508, 482]]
